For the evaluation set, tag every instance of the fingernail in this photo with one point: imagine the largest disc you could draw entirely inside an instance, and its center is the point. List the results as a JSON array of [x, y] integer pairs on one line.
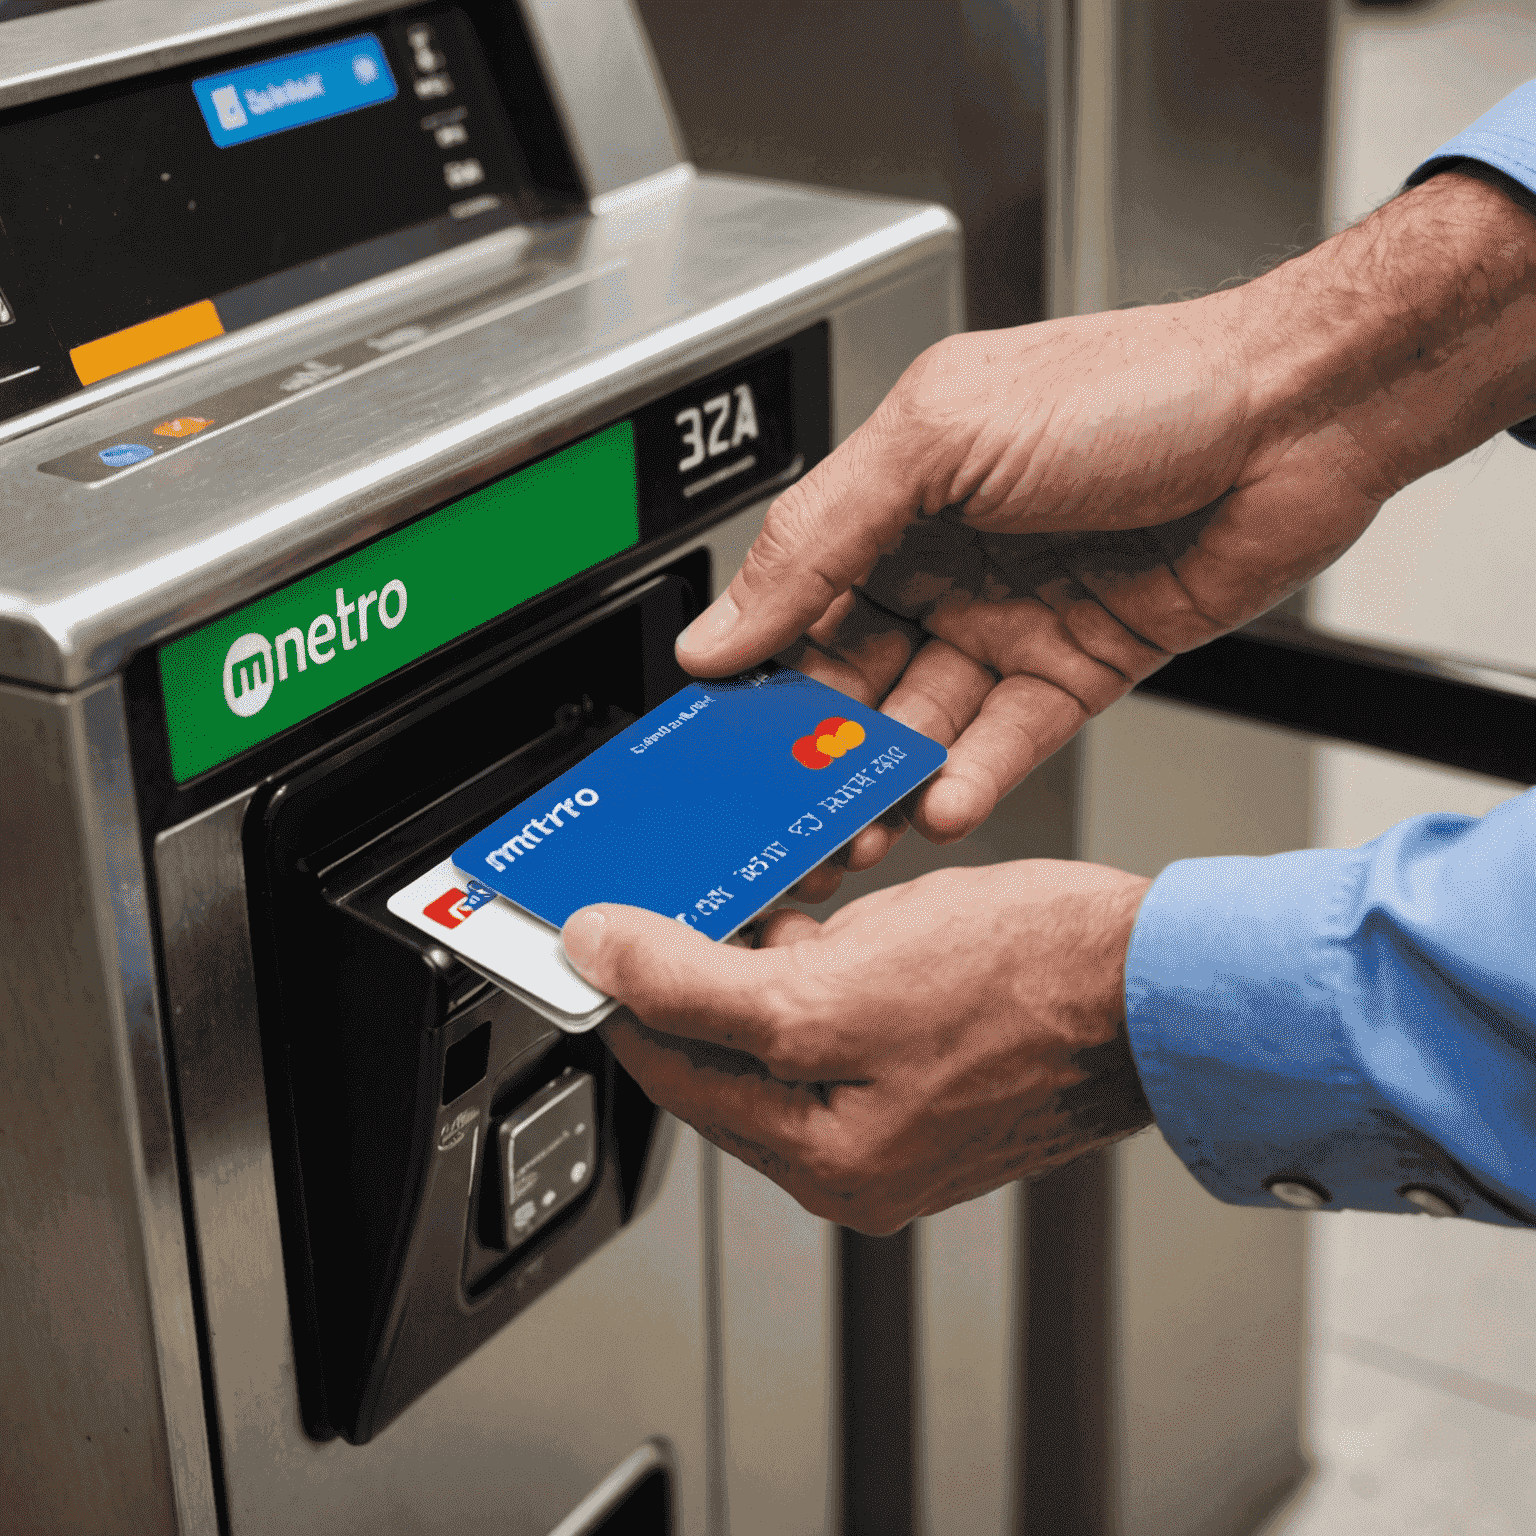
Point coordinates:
[[583, 937], [711, 626]]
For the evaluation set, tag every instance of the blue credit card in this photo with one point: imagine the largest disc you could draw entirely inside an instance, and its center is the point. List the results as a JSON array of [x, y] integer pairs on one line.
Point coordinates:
[[708, 808]]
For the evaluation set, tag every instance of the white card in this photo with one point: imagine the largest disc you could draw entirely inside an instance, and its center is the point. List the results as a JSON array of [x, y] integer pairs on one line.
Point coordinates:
[[504, 944]]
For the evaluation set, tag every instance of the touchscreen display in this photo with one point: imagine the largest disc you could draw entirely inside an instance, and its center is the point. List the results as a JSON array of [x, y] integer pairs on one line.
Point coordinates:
[[140, 219]]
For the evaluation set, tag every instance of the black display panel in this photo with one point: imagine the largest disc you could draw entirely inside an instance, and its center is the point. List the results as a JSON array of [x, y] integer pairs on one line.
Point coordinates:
[[14, 10], [724, 436], [127, 231]]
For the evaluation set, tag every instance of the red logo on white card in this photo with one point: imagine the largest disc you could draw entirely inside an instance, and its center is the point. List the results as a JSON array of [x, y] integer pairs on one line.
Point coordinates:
[[449, 908]]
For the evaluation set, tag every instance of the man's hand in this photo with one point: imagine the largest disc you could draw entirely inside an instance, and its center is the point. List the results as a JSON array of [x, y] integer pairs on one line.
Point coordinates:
[[926, 1044], [1036, 519]]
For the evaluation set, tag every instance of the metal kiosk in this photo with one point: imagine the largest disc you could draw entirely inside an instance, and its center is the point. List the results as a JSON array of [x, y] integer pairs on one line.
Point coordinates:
[[379, 393]]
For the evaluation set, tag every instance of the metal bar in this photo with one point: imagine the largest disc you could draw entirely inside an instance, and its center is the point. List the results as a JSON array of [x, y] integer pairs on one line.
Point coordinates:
[[717, 1517], [1459, 713], [876, 1324], [1068, 1458]]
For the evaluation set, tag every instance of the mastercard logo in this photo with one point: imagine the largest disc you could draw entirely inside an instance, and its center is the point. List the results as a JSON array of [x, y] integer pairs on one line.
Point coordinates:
[[830, 739]]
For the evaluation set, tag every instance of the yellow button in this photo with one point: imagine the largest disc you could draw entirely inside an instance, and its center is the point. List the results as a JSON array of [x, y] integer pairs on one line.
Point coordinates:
[[144, 342], [182, 426]]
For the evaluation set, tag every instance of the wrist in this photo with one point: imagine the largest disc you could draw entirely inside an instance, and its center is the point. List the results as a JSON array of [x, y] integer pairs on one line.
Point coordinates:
[[1120, 904], [1107, 1101], [1404, 341]]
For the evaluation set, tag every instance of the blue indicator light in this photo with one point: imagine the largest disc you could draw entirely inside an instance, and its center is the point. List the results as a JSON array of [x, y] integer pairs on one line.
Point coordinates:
[[121, 455], [298, 88]]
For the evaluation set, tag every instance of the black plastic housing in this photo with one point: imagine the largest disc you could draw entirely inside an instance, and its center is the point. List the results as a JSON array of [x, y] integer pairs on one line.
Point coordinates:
[[389, 1063]]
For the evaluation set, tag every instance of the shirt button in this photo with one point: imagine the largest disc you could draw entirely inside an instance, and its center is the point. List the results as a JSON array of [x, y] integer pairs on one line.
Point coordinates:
[[1301, 1193], [1431, 1201]]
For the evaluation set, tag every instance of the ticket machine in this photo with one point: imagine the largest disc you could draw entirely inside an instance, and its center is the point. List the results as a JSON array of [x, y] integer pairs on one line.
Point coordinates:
[[380, 392]]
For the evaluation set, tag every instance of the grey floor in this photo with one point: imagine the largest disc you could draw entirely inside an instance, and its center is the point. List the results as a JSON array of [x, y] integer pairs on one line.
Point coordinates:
[[1422, 1399]]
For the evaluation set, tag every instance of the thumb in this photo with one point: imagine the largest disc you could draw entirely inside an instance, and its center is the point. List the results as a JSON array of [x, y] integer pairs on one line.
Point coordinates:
[[672, 977], [819, 538]]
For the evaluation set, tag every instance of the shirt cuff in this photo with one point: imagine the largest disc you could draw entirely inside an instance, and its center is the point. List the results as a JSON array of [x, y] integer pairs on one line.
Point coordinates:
[[1235, 980], [1503, 137]]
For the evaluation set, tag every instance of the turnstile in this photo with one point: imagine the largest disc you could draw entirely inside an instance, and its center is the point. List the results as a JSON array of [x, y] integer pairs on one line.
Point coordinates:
[[379, 393]]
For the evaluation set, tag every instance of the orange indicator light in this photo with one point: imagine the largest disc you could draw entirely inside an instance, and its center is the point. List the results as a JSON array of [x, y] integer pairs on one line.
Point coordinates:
[[144, 342], [182, 426]]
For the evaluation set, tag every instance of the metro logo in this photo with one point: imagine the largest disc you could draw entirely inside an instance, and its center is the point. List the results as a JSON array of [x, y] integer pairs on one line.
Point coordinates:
[[833, 737], [450, 909], [248, 676]]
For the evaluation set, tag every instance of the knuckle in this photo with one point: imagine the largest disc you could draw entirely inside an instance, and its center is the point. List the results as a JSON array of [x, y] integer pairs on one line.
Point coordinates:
[[789, 522], [782, 1032], [931, 371], [836, 1165]]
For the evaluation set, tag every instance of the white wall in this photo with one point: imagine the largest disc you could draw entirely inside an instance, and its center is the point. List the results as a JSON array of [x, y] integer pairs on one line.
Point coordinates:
[[1422, 1384]]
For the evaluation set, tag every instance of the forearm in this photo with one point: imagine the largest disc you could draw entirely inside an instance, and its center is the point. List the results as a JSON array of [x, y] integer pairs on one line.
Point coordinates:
[[1401, 343]]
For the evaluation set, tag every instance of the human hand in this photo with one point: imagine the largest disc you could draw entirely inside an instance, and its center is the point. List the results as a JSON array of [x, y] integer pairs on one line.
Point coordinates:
[[1036, 519], [925, 1044]]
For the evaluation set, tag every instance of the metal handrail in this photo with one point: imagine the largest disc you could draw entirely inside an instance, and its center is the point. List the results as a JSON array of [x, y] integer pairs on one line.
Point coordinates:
[[1461, 713]]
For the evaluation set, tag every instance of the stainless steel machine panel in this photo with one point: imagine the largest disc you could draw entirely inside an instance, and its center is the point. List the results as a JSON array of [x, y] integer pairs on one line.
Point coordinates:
[[578, 328], [152, 1375]]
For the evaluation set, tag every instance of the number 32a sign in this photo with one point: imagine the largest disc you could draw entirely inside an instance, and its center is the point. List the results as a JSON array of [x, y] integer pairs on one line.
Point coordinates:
[[717, 426], [720, 439]]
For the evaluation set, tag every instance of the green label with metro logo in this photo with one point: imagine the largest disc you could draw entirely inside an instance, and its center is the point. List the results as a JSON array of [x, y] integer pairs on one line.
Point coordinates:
[[279, 660]]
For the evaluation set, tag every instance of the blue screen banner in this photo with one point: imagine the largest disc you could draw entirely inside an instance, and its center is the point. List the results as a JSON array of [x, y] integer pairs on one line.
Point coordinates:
[[296, 89]]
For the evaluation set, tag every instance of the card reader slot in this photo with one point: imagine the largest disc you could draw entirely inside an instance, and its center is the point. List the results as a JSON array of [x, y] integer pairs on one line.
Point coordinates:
[[391, 1065], [463, 727], [415, 845]]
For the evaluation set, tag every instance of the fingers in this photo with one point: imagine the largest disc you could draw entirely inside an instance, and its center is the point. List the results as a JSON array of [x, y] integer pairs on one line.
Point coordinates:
[[1023, 721], [1132, 580], [762, 1121], [674, 978], [864, 850], [856, 648], [1026, 635], [786, 926], [871, 845], [821, 884], [940, 692], [820, 537]]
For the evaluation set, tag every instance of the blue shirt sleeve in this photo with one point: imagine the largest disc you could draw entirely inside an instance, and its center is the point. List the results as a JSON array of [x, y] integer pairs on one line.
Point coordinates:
[[1505, 138], [1359, 1023]]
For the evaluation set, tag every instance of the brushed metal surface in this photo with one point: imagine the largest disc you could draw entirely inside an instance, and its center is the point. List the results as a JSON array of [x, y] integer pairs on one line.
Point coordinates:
[[589, 1515], [668, 276], [70, 50], [706, 269], [101, 1408], [969, 1399], [603, 79], [444, 275], [518, 1433]]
